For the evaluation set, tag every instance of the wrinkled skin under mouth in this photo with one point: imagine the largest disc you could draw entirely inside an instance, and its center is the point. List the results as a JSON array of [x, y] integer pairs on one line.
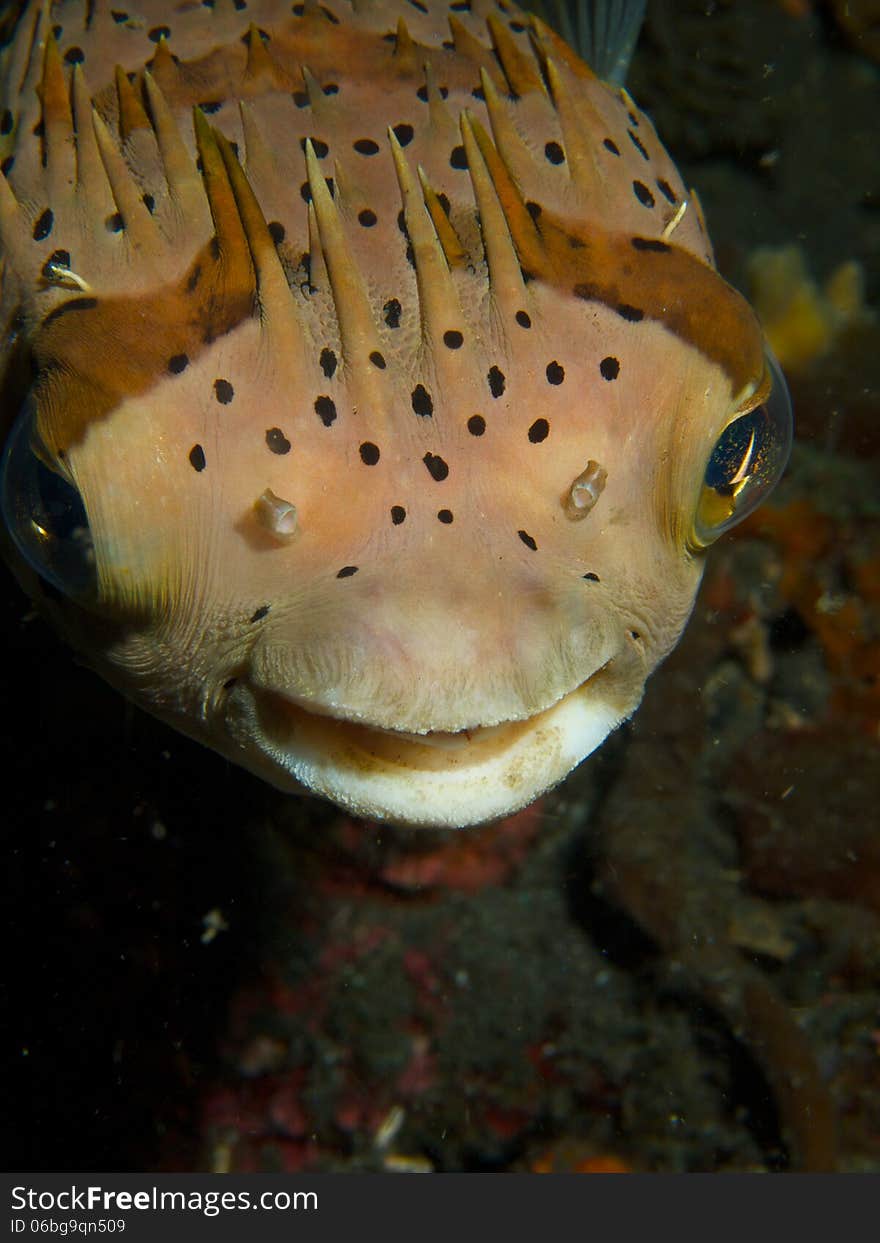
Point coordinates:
[[436, 779]]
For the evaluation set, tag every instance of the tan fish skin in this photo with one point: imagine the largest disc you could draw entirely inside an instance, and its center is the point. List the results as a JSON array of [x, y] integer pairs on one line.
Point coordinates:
[[385, 351]]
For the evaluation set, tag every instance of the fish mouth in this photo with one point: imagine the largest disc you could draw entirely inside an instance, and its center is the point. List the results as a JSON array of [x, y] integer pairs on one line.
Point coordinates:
[[437, 779]]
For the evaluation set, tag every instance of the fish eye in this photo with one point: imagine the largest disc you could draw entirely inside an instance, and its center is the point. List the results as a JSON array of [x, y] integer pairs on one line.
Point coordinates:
[[746, 462], [44, 514]]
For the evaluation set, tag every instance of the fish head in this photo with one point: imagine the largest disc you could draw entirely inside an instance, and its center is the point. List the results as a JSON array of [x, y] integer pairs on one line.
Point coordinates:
[[405, 519], [426, 635]]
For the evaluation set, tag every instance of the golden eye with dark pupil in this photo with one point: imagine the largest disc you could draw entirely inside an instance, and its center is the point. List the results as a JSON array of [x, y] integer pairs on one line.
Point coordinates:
[[746, 463]]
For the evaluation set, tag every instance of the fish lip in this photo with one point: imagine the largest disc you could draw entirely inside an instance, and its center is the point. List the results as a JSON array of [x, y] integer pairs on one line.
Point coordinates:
[[427, 736], [445, 779]]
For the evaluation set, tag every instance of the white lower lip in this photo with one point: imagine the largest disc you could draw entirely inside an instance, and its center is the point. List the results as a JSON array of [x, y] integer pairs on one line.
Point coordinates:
[[438, 779]]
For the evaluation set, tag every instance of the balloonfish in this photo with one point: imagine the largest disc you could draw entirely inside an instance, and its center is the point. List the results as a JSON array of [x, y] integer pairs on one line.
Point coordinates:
[[370, 393]]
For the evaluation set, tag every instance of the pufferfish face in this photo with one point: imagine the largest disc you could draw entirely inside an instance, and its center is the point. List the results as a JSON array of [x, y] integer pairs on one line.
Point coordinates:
[[381, 397]]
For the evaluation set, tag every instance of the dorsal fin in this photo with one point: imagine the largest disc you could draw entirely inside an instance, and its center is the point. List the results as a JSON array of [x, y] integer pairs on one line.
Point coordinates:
[[603, 32]]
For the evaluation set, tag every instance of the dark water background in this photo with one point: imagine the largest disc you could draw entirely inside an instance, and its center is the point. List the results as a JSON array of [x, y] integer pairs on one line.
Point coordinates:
[[672, 963]]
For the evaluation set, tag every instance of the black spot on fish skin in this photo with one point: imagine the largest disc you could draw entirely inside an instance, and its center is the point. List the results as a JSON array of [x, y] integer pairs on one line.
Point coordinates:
[[378, 360], [523, 319], [555, 373], [650, 243], [453, 339], [398, 514], [367, 218], [325, 408], [391, 313], [197, 458], [261, 612], [366, 146], [630, 313], [74, 56], [422, 402], [437, 468], [158, 33], [178, 363], [591, 577], [554, 153], [476, 425], [319, 147], [609, 368], [328, 362], [637, 143], [643, 194], [347, 571], [43, 225], [458, 158], [223, 391], [527, 540], [611, 146], [404, 133], [114, 222], [277, 231], [74, 304], [667, 191], [445, 516], [497, 381], [277, 441], [539, 431], [369, 453]]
